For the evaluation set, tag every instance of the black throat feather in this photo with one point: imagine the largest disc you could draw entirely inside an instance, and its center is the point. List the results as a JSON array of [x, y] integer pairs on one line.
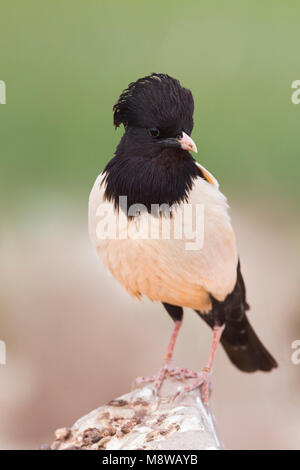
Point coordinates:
[[164, 179]]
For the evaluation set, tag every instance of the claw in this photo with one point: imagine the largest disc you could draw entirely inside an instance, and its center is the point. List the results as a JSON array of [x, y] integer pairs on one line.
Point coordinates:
[[177, 394], [203, 381], [142, 380]]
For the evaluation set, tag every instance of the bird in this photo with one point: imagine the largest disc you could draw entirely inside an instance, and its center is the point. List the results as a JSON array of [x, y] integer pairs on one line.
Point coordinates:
[[151, 181]]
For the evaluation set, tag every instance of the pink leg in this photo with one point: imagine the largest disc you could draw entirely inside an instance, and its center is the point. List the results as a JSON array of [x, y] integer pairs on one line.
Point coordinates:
[[170, 351], [217, 333], [159, 378], [203, 378]]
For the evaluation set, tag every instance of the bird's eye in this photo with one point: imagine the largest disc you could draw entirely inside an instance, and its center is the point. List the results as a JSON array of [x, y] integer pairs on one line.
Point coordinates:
[[154, 132], [178, 137]]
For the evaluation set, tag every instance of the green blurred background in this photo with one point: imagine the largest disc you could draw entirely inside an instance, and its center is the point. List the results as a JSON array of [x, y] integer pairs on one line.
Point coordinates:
[[65, 63]]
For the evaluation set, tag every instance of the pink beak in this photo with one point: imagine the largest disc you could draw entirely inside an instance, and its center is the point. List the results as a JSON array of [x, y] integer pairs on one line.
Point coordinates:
[[187, 143]]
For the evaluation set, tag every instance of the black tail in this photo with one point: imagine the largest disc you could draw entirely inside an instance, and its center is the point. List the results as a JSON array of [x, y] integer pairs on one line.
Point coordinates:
[[244, 348], [239, 340]]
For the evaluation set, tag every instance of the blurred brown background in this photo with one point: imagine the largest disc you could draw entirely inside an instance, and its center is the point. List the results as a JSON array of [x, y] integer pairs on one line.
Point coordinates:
[[74, 338]]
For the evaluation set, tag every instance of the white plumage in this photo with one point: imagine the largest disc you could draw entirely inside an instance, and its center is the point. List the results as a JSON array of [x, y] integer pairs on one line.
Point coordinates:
[[165, 270]]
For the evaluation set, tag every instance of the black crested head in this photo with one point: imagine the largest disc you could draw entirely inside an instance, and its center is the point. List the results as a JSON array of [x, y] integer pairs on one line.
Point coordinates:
[[152, 164], [156, 101]]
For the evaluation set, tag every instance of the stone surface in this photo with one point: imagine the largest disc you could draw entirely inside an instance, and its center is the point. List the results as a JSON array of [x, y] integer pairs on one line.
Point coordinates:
[[139, 420]]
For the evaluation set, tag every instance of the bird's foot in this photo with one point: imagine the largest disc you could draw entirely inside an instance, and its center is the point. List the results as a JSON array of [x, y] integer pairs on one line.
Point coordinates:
[[203, 381], [156, 379], [166, 371], [181, 373]]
